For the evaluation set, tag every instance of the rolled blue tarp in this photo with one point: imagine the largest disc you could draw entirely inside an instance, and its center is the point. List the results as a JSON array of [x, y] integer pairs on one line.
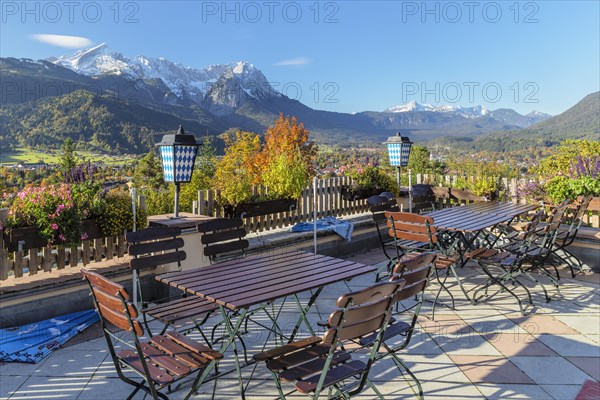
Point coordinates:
[[31, 343], [341, 227]]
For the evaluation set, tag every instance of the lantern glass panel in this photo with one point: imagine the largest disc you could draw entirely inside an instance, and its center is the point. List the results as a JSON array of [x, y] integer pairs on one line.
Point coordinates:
[[395, 154], [168, 161], [405, 152], [185, 157]]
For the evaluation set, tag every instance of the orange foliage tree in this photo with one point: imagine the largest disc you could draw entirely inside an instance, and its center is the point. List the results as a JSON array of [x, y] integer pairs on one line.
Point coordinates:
[[284, 164]]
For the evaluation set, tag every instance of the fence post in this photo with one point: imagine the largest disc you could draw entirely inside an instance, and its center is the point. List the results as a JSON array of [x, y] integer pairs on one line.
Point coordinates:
[[3, 251], [513, 191]]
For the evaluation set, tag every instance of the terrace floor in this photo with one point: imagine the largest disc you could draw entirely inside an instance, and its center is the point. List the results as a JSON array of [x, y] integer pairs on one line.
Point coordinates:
[[486, 351]]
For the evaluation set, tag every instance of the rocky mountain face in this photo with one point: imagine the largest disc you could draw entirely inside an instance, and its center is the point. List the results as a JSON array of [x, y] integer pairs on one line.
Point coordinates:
[[221, 97]]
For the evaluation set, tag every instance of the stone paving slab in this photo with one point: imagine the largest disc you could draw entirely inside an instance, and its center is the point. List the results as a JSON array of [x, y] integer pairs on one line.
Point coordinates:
[[502, 391], [490, 369], [550, 370]]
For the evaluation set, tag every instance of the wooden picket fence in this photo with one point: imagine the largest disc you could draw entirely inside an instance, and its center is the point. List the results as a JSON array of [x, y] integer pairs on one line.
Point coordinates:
[[327, 199], [50, 258]]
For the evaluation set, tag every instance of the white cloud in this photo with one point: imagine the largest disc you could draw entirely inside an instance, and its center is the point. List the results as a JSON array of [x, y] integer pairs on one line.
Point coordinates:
[[70, 42], [293, 61]]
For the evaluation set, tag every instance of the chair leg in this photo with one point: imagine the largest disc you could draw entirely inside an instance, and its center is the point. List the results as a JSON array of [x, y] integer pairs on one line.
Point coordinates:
[[442, 286], [499, 283], [458, 280], [374, 388], [278, 386], [400, 364]]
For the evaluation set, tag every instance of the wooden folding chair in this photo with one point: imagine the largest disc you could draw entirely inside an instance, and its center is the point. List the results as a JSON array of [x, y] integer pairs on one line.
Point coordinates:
[[420, 229], [423, 199], [566, 236], [223, 239], [515, 260], [416, 274], [156, 246], [316, 364], [161, 361], [378, 205]]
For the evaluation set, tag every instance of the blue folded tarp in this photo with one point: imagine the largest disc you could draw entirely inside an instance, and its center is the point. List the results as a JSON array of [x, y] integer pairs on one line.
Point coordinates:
[[31, 343], [342, 228]]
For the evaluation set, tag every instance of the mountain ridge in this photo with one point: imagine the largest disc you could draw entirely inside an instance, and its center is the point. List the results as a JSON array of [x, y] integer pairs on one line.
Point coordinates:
[[236, 96]]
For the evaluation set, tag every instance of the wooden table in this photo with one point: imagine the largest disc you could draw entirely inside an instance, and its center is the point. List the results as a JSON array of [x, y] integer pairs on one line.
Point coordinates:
[[476, 217], [468, 222], [244, 286]]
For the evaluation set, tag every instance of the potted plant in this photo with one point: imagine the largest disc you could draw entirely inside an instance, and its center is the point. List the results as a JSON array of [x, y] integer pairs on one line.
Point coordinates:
[[480, 188], [367, 182]]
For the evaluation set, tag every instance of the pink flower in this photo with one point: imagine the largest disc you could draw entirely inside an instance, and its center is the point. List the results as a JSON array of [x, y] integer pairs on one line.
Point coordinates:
[[62, 237], [54, 226], [60, 208], [84, 236]]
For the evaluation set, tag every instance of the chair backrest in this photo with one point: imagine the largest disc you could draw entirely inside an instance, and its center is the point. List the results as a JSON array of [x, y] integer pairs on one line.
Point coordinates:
[[581, 206], [378, 206], [155, 246], [555, 220], [407, 226], [223, 238], [113, 303], [423, 198], [415, 273], [361, 313]]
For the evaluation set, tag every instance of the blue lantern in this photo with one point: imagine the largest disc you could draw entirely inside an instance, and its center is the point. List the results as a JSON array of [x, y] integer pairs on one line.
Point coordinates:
[[398, 150], [178, 153]]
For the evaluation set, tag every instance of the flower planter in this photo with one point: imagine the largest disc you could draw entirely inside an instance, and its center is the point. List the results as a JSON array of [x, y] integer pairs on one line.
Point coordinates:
[[33, 240], [92, 229], [467, 195], [27, 235], [259, 208]]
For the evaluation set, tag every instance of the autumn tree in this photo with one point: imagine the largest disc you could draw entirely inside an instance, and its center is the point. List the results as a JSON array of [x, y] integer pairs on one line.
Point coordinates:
[[287, 159], [288, 137], [237, 171]]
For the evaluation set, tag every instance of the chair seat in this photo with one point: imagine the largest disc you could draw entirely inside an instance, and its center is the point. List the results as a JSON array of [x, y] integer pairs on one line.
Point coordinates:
[[169, 357], [333, 376], [394, 329], [492, 256], [441, 262], [180, 309]]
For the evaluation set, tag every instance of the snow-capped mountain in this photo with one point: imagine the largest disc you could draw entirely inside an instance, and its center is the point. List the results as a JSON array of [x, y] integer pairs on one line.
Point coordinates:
[[466, 112], [183, 82]]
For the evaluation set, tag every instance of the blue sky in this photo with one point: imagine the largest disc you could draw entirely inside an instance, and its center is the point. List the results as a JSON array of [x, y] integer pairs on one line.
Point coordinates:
[[348, 56]]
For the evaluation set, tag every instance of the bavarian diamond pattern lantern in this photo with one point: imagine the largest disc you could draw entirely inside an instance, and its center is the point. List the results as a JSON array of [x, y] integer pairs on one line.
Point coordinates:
[[178, 154], [398, 150], [398, 153]]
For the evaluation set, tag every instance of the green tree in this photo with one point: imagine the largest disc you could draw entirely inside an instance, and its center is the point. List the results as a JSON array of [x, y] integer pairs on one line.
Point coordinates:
[[204, 171], [418, 161], [148, 172], [68, 160]]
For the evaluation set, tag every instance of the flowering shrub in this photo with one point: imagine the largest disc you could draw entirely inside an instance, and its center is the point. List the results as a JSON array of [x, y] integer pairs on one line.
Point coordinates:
[[50, 209], [58, 211], [574, 170], [116, 216]]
